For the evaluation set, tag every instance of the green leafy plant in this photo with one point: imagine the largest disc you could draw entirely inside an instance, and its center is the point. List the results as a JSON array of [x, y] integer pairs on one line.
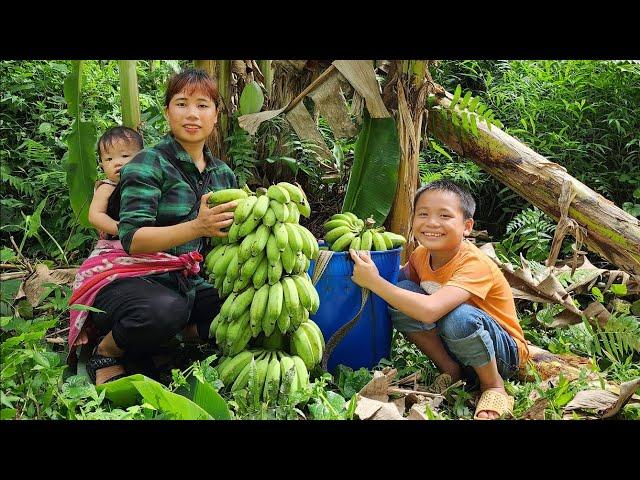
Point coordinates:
[[530, 232]]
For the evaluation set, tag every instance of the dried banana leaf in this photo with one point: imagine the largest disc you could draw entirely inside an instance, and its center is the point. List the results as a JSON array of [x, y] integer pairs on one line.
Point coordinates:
[[362, 77], [330, 102]]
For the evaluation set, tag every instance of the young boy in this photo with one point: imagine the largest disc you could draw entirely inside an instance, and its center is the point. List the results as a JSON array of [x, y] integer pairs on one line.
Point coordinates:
[[452, 301], [116, 147]]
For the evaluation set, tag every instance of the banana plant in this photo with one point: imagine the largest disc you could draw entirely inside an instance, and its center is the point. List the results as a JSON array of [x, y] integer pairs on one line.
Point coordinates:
[[129, 100], [80, 159]]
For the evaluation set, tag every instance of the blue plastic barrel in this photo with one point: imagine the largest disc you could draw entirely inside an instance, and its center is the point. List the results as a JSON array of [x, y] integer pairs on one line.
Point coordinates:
[[370, 339]]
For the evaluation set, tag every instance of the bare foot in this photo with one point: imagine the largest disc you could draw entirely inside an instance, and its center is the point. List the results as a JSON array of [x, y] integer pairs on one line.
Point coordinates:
[[106, 373]]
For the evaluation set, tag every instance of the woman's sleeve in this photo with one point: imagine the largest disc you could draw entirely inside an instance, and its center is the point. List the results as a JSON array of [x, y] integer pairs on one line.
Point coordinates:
[[141, 191]]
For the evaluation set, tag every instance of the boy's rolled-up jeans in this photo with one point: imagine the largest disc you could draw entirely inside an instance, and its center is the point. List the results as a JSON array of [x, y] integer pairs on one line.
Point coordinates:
[[469, 334]]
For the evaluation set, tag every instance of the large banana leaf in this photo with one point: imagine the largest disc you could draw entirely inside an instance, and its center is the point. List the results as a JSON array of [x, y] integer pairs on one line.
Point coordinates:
[[81, 159], [374, 175]]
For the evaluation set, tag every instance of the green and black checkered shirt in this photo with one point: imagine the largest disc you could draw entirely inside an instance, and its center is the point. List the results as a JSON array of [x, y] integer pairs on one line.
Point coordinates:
[[155, 194]]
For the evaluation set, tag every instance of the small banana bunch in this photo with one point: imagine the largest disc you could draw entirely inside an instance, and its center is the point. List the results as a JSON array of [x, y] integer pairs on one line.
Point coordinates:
[[345, 231], [265, 371]]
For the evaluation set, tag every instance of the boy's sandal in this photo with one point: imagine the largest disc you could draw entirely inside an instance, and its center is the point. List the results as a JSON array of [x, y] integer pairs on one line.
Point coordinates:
[[494, 401], [440, 384], [96, 362]]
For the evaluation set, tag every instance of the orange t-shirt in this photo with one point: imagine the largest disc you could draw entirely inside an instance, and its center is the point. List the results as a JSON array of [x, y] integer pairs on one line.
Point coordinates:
[[473, 271]]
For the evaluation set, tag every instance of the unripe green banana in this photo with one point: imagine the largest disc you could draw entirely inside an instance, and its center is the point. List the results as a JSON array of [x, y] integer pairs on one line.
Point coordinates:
[[274, 272], [221, 334], [279, 194], [214, 325], [269, 218], [226, 308], [227, 195], [290, 291], [301, 372], [319, 334], [288, 259], [337, 233], [249, 225], [243, 376], [260, 240], [280, 209], [304, 208], [244, 252], [217, 282], [223, 261], [315, 339], [297, 317], [366, 240], [340, 222], [300, 265], [273, 254], [261, 373], [284, 320], [396, 239], [313, 292], [355, 243], [235, 328], [343, 242], [295, 193], [301, 345], [242, 303], [352, 217], [312, 240], [227, 287], [241, 283], [260, 276], [212, 257], [295, 242], [294, 213], [233, 270], [260, 208], [274, 308], [244, 208], [343, 216], [378, 241], [258, 309], [307, 246], [249, 267], [282, 237], [272, 381], [303, 294], [231, 369], [288, 372], [387, 241], [232, 235]]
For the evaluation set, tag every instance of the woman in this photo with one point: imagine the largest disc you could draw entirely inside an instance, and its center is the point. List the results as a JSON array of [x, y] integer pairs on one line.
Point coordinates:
[[164, 209]]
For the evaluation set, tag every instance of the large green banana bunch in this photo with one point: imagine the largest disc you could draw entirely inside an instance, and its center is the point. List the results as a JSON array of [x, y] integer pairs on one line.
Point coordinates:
[[344, 231], [260, 269], [271, 374]]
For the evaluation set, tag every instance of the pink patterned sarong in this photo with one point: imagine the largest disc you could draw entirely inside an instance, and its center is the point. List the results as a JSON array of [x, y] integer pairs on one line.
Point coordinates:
[[108, 262]]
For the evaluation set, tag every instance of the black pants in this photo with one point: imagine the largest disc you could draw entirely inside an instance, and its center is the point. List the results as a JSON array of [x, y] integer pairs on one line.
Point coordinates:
[[143, 315]]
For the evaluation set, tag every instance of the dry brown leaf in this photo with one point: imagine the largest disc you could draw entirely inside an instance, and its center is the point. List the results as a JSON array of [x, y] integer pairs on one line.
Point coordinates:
[[368, 409], [305, 127], [377, 387], [33, 286], [362, 77], [627, 391], [330, 102], [252, 121], [536, 411]]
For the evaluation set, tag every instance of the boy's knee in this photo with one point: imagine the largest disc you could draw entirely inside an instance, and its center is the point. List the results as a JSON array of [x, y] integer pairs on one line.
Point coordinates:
[[460, 323], [409, 285]]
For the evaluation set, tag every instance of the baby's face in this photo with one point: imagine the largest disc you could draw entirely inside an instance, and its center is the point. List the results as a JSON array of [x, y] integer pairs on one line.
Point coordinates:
[[116, 156]]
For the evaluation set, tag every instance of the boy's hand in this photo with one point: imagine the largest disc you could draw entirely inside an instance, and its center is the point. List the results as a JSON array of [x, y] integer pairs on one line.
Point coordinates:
[[211, 220], [365, 271]]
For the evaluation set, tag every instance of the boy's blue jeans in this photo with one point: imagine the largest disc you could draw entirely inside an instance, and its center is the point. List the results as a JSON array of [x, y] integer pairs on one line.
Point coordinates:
[[469, 335]]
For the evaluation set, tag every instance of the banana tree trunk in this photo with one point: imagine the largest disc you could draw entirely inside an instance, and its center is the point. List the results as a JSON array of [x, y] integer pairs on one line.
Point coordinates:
[[267, 73], [610, 231], [410, 118], [224, 87], [129, 101]]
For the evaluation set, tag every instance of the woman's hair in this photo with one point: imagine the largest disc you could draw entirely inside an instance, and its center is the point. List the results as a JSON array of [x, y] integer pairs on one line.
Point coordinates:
[[190, 80], [115, 134], [467, 203]]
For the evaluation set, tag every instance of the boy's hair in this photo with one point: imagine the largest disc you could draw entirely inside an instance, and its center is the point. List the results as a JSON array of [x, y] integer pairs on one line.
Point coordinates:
[[115, 134], [467, 203], [191, 79]]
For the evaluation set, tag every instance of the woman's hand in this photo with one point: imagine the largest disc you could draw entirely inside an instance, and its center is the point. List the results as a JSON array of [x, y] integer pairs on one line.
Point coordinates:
[[211, 220], [365, 272]]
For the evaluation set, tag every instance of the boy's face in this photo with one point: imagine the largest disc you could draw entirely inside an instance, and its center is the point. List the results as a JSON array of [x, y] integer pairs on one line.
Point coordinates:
[[438, 221], [191, 116], [116, 156]]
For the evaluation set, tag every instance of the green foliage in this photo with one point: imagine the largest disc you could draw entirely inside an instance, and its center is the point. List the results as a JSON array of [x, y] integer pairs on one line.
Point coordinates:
[[466, 111], [530, 233]]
